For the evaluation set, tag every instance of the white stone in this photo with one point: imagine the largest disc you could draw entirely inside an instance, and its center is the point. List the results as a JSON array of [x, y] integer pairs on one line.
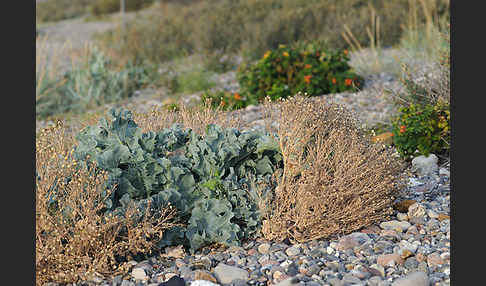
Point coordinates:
[[407, 245], [292, 251], [139, 274], [425, 166], [226, 273], [203, 283], [413, 279], [395, 225], [329, 250], [444, 172], [289, 281], [402, 216]]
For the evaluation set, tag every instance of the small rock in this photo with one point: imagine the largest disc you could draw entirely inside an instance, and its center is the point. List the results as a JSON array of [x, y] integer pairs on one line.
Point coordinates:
[[402, 216], [264, 248], [411, 263], [252, 252], [395, 225], [349, 278], [390, 233], [204, 275], [139, 274], [352, 240], [413, 279], [425, 166], [374, 281], [292, 251], [416, 211], [444, 172], [289, 281], [225, 273], [434, 259], [263, 259], [203, 283], [445, 256], [405, 253], [127, 283], [329, 250], [336, 282], [412, 230], [389, 259], [360, 274], [377, 270], [409, 246]]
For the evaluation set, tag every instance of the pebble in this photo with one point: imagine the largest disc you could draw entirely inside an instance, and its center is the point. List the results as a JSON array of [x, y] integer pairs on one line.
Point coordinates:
[[226, 273], [395, 225], [413, 279]]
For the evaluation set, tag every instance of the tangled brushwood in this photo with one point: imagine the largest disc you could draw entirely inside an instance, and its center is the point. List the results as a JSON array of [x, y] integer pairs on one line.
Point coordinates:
[[334, 180], [74, 240]]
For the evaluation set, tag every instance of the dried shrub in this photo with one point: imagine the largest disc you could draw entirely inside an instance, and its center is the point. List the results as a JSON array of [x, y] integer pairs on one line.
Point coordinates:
[[335, 181], [74, 241]]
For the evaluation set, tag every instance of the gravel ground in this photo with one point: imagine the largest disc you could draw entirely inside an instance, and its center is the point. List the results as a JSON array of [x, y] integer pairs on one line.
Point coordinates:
[[413, 248]]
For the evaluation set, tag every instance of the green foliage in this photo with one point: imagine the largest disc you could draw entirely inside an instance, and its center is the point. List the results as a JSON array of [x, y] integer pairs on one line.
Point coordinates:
[[207, 178], [90, 84], [225, 27], [56, 10], [422, 128], [101, 7], [288, 70]]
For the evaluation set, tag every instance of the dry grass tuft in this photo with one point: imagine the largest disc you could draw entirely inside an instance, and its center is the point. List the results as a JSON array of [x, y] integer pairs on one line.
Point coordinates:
[[334, 180], [74, 240], [194, 117]]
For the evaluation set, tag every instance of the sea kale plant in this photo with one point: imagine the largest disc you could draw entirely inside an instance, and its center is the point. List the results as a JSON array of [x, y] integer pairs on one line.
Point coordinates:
[[209, 179]]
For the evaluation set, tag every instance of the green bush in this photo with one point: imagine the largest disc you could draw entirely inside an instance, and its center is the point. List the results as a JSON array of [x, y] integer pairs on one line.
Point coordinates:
[[423, 123], [93, 83], [101, 7], [422, 129], [287, 71]]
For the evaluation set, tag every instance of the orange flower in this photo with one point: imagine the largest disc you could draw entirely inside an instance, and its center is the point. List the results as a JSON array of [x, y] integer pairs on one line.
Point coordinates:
[[345, 52], [307, 78], [222, 103], [403, 128], [266, 54], [237, 96], [285, 54], [333, 80], [348, 81], [308, 66], [317, 54]]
